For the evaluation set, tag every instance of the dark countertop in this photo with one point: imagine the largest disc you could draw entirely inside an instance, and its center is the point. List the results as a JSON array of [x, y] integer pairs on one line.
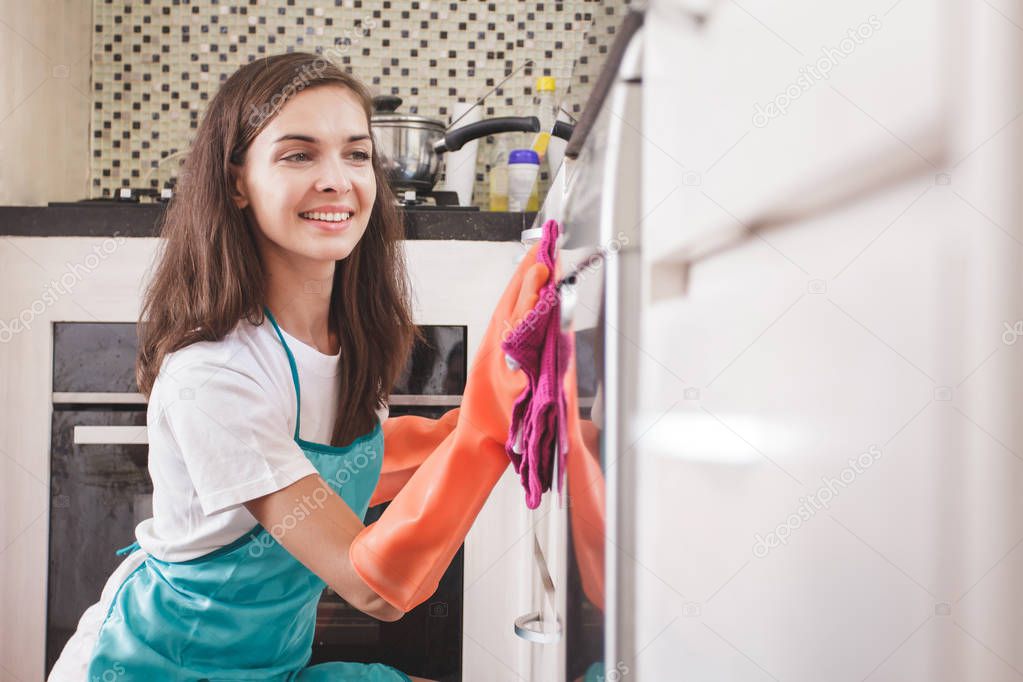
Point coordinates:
[[139, 220]]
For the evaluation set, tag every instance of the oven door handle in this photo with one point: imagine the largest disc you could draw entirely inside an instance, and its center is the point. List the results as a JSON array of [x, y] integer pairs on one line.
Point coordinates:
[[137, 435], [111, 435], [537, 626]]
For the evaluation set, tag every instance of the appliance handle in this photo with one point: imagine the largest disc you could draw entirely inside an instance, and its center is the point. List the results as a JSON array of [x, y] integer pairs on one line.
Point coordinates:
[[97, 398], [536, 626], [111, 435], [458, 137], [530, 628], [110, 397], [563, 130], [608, 76]]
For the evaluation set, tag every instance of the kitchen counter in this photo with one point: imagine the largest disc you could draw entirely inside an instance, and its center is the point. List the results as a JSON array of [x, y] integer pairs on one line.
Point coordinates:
[[102, 279], [140, 220]]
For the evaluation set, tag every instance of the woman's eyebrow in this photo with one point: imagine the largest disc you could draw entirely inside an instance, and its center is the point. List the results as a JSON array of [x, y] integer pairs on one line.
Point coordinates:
[[313, 140]]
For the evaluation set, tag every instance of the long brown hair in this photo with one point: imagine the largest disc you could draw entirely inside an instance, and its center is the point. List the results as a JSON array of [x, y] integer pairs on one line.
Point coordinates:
[[209, 274]]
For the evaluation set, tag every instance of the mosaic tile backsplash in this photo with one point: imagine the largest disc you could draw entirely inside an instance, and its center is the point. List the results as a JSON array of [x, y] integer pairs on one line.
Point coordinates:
[[157, 63]]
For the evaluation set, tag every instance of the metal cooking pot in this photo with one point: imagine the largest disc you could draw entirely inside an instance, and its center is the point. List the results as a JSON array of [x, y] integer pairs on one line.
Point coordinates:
[[405, 143], [410, 146]]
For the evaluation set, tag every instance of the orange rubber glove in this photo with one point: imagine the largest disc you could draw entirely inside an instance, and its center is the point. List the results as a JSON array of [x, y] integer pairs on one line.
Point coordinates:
[[586, 497], [408, 441], [403, 555]]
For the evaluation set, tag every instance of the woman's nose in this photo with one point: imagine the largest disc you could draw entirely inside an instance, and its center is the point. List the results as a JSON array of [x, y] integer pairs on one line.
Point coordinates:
[[334, 176]]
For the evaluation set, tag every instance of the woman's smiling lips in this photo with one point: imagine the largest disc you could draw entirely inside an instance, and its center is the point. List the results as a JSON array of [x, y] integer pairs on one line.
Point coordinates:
[[334, 218], [329, 225]]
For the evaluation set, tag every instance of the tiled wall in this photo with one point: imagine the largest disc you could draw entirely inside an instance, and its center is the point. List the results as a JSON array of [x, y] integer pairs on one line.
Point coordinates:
[[156, 64]]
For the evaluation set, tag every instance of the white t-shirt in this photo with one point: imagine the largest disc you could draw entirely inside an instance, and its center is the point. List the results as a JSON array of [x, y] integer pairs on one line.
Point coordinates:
[[221, 424]]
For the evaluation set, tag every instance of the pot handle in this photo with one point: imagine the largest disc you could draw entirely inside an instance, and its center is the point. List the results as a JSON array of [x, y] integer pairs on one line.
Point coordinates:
[[386, 104], [457, 138], [563, 129]]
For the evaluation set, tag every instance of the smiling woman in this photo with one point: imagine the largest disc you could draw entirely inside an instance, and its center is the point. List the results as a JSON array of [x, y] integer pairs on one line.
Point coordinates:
[[285, 137], [282, 214]]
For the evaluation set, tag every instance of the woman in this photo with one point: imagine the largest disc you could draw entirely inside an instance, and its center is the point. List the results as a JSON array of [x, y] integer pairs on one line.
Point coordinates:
[[266, 442]]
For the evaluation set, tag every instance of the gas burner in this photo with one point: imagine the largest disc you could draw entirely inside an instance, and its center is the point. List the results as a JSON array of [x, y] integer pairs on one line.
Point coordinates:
[[443, 200], [409, 200], [127, 195]]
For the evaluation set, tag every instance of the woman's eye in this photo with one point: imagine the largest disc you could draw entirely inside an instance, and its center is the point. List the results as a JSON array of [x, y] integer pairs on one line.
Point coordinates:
[[358, 155]]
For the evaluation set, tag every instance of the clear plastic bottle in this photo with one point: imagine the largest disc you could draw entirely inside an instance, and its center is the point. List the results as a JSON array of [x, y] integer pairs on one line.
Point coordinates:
[[499, 177], [546, 111]]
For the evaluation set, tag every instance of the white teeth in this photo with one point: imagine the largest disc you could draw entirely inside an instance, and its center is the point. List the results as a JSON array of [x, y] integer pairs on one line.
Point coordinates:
[[330, 217]]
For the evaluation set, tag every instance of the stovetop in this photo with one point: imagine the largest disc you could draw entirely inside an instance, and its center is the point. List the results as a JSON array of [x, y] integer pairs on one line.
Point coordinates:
[[407, 200]]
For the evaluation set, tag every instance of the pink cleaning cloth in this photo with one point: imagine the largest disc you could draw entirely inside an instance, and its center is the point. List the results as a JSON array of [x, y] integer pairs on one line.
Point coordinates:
[[542, 350]]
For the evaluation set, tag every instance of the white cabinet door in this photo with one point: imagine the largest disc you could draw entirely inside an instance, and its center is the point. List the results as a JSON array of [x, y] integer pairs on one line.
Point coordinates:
[[769, 110], [836, 495]]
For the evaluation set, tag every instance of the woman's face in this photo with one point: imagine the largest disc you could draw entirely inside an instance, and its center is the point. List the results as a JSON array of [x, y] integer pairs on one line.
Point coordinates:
[[313, 157]]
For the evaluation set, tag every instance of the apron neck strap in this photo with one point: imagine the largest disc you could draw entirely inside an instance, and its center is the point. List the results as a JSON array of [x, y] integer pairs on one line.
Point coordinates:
[[294, 369]]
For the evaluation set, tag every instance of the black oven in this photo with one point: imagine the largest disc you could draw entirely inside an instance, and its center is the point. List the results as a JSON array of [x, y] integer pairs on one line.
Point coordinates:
[[100, 491]]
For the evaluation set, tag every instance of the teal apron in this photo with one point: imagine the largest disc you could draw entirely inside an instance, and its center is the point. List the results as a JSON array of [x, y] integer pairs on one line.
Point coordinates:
[[246, 611]]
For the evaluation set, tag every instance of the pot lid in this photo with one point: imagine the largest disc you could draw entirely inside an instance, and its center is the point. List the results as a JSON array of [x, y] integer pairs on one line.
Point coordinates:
[[384, 107]]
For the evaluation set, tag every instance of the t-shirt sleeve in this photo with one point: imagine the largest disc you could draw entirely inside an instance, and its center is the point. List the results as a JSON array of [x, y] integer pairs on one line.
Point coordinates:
[[233, 433]]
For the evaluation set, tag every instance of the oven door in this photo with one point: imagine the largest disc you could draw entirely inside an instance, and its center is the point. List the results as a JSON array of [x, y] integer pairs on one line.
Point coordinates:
[[99, 491], [593, 185]]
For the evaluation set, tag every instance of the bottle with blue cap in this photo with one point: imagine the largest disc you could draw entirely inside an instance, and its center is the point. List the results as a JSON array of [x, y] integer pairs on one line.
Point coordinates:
[[523, 168]]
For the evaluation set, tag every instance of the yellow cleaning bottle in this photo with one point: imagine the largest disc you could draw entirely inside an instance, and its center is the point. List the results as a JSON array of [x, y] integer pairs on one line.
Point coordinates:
[[546, 111]]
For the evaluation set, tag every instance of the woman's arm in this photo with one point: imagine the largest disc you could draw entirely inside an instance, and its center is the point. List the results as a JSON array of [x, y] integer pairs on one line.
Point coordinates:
[[313, 523]]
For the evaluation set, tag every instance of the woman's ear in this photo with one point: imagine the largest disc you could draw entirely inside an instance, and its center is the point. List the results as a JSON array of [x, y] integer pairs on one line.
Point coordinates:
[[239, 193]]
